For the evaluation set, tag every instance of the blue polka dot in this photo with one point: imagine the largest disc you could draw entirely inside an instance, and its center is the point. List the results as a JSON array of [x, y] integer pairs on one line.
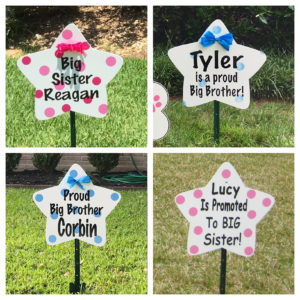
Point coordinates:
[[52, 239], [114, 196], [63, 191], [92, 193], [216, 29], [76, 229], [75, 210], [240, 66], [202, 83], [262, 52], [184, 103], [54, 216], [39, 197], [98, 214], [239, 98], [98, 239], [73, 173]]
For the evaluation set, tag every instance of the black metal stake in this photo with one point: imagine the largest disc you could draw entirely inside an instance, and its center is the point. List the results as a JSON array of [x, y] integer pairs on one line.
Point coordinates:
[[77, 264], [216, 121], [223, 271], [73, 128], [76, 286]]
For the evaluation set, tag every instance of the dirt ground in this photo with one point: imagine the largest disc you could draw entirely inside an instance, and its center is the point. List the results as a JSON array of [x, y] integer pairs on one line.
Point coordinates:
[[120, 30]]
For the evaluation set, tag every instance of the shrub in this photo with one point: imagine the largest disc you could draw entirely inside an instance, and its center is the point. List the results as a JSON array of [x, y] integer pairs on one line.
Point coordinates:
[[12, 160], [46, 162], [103, 162]]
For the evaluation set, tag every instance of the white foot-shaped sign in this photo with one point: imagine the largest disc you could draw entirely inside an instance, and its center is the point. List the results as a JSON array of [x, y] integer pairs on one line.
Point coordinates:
[[160, 120]]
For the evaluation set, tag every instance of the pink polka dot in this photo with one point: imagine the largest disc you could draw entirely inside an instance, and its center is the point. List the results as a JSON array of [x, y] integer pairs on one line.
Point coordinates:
[[194, 249], [198, 230], [198, 194], [44, 70], [103, 109], [251, 194], [226, 173], [156, 97], [193, 211], [87, 100], [247, 232], [26, 60], [251, 214], [39, 94], [96, 80], [158, 104], [111, 61], [59, 86], [66, 108], [49, 112], [248, 250], [82, 67], [180, 199], [67, 34], [266, 202]]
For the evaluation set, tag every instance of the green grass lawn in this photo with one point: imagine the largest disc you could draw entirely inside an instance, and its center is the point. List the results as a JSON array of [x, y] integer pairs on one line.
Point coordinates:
[[263, 124], [124, 126], [33, 267], [269, 271]]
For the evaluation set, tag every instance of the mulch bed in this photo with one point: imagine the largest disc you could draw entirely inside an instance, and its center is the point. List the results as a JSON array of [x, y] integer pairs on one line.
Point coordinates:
[[118, 29], [39, 179]]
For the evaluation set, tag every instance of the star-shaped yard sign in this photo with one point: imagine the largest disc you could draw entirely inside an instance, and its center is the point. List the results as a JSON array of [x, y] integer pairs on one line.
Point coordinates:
[[160, 120], [70, 76], [216, 68], [76, 209], [223, 214]]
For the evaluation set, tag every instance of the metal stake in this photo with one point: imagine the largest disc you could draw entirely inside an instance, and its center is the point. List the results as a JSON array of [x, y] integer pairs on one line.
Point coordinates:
[[216, 121], [223, 271], [76, 286], [73, 128]]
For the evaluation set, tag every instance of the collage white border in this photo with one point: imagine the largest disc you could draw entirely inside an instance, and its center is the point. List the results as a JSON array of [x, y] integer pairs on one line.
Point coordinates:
[[149, 150]]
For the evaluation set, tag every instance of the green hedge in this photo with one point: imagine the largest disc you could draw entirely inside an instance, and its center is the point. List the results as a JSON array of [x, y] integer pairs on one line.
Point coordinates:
[[275, 80]]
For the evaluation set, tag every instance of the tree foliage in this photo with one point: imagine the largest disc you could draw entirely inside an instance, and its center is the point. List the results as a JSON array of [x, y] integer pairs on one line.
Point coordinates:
[[259, 27]]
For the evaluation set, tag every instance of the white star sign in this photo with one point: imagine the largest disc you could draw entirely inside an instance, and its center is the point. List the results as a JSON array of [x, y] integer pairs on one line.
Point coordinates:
[[160, 120], [76, 209], [223, 214], [216, 68], [70, 76]]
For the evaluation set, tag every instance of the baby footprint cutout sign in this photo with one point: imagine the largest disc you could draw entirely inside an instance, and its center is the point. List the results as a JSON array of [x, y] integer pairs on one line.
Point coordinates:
[[160, 120], [70, 76]]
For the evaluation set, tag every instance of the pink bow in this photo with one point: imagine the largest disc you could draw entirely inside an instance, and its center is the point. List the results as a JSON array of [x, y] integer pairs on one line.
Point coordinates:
[[79, 47]]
